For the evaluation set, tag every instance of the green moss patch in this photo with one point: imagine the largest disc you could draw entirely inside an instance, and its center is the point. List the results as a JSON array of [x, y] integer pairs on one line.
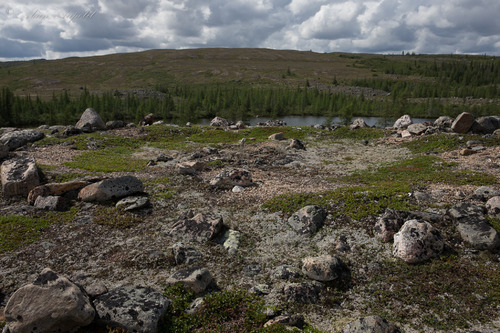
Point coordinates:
[[444, 294], [114, 159], [443, 142]]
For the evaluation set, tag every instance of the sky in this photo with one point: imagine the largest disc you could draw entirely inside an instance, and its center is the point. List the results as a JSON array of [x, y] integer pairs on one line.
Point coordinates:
[[54, 29]]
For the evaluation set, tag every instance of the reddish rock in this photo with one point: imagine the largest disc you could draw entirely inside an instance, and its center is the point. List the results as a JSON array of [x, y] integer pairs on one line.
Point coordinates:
[[463, 123]]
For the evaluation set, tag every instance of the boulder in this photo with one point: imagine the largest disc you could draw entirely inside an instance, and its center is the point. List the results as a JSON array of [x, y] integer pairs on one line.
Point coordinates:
[[443, 122], [297, 144], [71, 130], [485, 193], [240, 125], [358, 123], [190, 167], [19, 176], [50, 304], [277, 136], [114, 124], [51, 203], [133, 203], [17, 139], [136, 309], [232, 177], [403, 122], [389, 223], [371, 324], [417, 129], [55, 189], [4, 151], [111, 189], [405, 134], [200, 228], [493, 207], [489, 124], [463, 123], [308, 219], [474, 227], [220, 122], [417, 241], [195, 279], [323, 268], [90, 118], [148, 120]]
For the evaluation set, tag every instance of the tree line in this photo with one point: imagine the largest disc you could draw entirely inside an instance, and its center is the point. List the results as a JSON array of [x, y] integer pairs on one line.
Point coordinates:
[[183, 103]]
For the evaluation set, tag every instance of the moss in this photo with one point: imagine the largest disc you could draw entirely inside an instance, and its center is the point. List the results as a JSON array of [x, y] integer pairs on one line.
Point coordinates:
[[68, 176], [115, 159], [444, 294], [115, 218], [160, 188], [16, 231], [495, 222], [443, 142]]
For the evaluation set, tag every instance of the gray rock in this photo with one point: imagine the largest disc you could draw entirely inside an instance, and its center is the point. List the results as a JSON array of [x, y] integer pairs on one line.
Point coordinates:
[[50, 304], [443, 122], [19, 176], [185, 255], [417, 129], [358, 123], [163, 158], [403, 122], [231, 178], [17, 139], [90, 118], [297, 144], [251, 270], [463, 123], [55, 189], [323, 268], [114, 124], [303, 293], [485, 193], [51, 203], [195, 279], [389, 223], [220, 122], [308, 219], [474, 227], [493, 207], [232, 241], [111, 189], [417, 241], [277, 136], [371, 324], [296, 320], [200, 228], [260, 289], [4, 151], [133, 203], [136, 309]]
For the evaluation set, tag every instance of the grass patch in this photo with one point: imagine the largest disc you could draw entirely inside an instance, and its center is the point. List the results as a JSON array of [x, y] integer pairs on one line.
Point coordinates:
[[114, 159], [160, 188], [354, 202], [16, 231], [444, 294], [69, 176], [495, 222], [421, 169], [442, 142], [224, 311], [115, 218]]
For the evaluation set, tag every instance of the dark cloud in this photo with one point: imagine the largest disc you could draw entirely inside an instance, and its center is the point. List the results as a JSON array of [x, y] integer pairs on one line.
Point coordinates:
[[80, 45], [15, 49], [35, 33]]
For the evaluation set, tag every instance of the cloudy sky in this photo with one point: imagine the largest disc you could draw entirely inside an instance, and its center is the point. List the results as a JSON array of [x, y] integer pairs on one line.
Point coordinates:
[[58, 28]]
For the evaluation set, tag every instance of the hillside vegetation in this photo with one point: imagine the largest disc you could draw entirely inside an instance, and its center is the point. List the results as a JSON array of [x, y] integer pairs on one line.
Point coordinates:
[[185, 85]]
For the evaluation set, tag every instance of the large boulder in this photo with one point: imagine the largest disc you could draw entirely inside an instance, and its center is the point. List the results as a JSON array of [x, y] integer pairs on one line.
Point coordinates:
[[4, 151], [371, 324], [195, 279], [403, 122], [358, 123], [443, 122], [463, 123], [16, 139], [55, 189], [91, 118], [19, 175], [200, 228], [220, 122], [50, 304], [417, 241], [417, 129], [232, 177], [323, 268], [136, 309], [489, 124], [111, 189], [308, 219], [474, 227]]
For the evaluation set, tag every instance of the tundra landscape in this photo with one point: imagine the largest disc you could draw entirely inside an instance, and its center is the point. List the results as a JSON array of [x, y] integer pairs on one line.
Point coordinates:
[[120, 213]]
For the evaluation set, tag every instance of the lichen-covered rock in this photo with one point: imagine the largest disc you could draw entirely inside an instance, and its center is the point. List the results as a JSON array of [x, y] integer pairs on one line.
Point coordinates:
[[185, 255], [371, 324], [297, 144], [19, 176], [277, 136], [463, 123], [389, 223], [493, 207], [133, 203], [474, 227], [90, 118], [232, 177], [286, 272], [403, 122], [55, 189], [303, 293], [200, 228], [308, 219], [323, 268], [485, 193], [417, 241], [358, 123], [195, 279], [111, 189], [220, 122], [17, 139], [136, 309], [417, 129], [50, 304], [443, 122], [51, 203]]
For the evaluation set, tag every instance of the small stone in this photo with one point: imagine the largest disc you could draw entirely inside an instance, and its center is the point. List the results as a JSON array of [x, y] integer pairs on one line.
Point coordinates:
[[238, 189], [133, 203], [467, 152], [308, 220], [195, 279], [323, 268], [417, 241]]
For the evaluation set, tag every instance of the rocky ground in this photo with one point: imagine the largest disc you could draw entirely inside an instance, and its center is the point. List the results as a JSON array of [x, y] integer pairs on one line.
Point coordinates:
[[141, 254]]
